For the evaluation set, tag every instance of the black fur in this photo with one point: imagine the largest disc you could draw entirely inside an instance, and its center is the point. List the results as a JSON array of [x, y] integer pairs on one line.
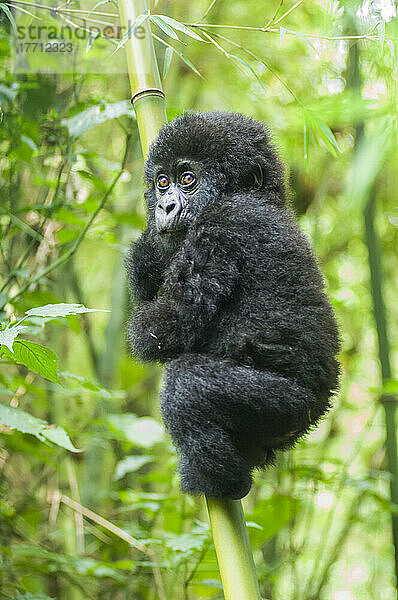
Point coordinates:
[[234, 304]]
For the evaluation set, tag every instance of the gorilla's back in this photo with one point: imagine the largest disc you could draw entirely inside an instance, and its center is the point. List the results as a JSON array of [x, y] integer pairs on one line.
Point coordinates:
[[279, 318]]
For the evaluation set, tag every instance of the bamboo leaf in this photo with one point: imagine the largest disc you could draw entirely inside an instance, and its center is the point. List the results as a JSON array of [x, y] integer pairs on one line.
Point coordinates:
[[322, 131], [168, 56], [180, 54], [140, 19], [159, 21], [180, 27], [91, 39], [10, 17]]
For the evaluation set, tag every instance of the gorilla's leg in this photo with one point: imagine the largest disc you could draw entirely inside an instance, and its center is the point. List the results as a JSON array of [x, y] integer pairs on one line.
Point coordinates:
[[226, 418]]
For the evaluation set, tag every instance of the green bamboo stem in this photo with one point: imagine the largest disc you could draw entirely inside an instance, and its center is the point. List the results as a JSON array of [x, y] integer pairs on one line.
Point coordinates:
[[231, 540], [389, 401], [146, 86]]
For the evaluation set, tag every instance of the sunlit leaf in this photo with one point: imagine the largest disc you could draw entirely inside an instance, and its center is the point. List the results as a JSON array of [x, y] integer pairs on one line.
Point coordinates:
[[8, 335], [96, 115], [131, 464], [140, 431], [61, 310]]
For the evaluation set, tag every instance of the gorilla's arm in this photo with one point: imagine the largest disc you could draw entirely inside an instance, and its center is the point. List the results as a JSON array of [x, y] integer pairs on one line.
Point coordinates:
[[145, 266], [200, 278]]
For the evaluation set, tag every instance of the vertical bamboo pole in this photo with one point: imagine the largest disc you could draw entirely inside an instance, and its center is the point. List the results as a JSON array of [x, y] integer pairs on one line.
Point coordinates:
[[226, 516], [389, 401]]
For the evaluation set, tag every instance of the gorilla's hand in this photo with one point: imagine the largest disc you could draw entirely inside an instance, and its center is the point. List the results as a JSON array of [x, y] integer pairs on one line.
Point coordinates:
[[154, 331]]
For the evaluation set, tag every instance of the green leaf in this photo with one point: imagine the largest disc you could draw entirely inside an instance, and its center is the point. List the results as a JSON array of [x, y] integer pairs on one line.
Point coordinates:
[[96, 115], [61, 310], [16, 418], [160, 22], [168, 55], [321, 130], [35, 357], [130, 464], [10, 17], [180, 27], [180, 54], [8, 335]]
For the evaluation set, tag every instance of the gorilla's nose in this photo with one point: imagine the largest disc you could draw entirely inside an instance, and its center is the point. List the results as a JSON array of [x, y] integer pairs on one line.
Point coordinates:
[[169, 207], [167, 212]]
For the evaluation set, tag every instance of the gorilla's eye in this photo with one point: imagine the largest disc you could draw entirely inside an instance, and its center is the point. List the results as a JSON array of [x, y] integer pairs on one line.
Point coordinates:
[[162, 181], [187, 178]]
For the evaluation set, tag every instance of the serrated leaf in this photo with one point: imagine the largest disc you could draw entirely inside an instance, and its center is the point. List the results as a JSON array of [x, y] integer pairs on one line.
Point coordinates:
[[8, 335], [61, 310], [16, 418], [96, 115], [36, 358], [161, 23], [180, 27], [130, 464]]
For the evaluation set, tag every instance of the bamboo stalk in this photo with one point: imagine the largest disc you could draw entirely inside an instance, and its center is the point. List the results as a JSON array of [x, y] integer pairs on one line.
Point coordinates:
[[231, 540], [389, 401]]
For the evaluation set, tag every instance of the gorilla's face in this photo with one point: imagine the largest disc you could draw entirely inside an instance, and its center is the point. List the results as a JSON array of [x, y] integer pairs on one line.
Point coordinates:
[[182, 191]]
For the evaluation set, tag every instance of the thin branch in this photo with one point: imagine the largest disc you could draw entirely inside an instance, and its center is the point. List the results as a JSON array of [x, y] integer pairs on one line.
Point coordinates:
[[260, 60], [59, 9], [288, 12], [120, 533], [272, 20], [208, 9], [364, 36], [89, 514]]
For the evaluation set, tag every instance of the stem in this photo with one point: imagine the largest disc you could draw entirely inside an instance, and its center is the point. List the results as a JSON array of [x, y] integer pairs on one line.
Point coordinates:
[[146, 87], [226, 516], [389, 402], [233, 550]]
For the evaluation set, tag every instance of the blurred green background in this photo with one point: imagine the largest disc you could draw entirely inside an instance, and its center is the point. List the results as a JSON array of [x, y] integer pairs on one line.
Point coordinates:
[[324, 77]]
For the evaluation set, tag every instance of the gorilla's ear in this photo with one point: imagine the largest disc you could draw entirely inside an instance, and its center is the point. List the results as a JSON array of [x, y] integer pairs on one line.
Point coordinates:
[[253, 179], [258, 177]]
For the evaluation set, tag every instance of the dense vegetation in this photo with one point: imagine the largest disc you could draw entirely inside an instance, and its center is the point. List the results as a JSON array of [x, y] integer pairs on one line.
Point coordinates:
[[90, 505]]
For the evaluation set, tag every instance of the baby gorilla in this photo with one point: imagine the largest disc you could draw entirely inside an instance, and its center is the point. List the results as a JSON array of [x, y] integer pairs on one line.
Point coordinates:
[[229, 295]]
